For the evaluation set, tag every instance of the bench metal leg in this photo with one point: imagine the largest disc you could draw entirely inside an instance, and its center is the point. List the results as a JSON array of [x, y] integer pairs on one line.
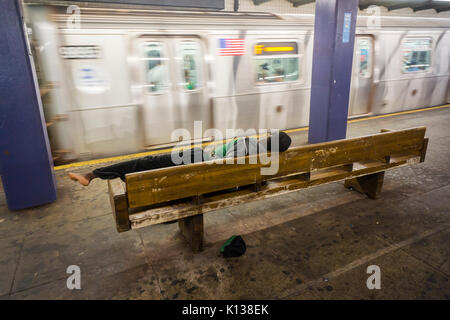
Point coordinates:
[[369, 185], [192, 230]]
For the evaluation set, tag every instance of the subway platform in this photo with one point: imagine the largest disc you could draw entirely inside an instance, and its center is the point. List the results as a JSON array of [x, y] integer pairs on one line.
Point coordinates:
[[310, 244]]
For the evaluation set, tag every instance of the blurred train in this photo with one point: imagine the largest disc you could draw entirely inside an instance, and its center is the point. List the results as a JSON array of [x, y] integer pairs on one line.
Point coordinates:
[[123, 80]]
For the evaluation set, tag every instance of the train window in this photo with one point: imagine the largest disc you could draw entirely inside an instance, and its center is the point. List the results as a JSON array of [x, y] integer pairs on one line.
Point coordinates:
[[190, 59], [364, 53], [157, 71], [416, 54], [276, 62]]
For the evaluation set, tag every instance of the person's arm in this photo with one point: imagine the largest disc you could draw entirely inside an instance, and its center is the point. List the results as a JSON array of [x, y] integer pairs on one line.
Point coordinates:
[[221, 151]]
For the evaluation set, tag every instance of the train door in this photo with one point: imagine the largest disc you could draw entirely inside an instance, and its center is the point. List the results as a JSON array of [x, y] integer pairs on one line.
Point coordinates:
[[173, 90], [191, 93], [102, 116], [362, 76]]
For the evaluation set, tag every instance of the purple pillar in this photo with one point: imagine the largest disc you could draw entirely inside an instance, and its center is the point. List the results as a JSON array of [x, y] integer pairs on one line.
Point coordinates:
[[334, 35], [26, 166]]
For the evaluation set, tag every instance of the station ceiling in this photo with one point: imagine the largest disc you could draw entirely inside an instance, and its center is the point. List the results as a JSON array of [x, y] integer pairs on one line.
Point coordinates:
[[416, 5]]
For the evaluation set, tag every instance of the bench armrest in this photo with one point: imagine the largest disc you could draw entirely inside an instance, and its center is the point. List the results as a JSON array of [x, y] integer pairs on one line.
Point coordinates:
[[119, 204]]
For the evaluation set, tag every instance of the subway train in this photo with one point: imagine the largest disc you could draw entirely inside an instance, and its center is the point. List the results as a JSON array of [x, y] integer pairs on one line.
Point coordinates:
[[120, 81]]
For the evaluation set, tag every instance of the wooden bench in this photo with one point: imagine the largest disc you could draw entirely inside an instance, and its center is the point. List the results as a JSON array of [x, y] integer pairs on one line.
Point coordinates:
[[186, 192]]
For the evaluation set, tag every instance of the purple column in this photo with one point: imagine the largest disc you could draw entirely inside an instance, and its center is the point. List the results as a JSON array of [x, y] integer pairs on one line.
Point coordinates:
[[25, 161], [334, 35]]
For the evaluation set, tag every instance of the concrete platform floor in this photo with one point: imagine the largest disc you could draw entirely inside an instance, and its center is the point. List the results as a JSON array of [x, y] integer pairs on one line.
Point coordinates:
[[310, 244]]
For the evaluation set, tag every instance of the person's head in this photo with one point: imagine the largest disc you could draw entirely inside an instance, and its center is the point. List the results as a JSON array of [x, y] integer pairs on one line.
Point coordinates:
[[284, 141]]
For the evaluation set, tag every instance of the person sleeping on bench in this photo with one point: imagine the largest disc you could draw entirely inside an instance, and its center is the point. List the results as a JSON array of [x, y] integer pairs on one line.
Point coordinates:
[[237, 147]]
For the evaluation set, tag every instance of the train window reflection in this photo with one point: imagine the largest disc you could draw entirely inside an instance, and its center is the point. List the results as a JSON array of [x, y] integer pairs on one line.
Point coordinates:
[[270, 70], [157, 72], [189, 53], [364, 52], [416, 54]]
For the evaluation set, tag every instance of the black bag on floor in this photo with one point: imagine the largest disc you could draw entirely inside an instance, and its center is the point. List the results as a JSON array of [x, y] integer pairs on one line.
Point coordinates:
[[233, 247]]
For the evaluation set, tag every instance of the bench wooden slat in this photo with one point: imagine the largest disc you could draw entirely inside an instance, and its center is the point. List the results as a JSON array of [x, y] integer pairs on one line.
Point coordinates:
[[166, 184]]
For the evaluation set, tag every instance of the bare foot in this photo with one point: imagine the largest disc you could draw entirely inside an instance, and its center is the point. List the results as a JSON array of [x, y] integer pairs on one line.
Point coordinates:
[[83, 179]]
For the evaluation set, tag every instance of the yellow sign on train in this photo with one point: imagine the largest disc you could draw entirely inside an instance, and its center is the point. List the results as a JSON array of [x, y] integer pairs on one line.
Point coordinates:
[[275, 48]]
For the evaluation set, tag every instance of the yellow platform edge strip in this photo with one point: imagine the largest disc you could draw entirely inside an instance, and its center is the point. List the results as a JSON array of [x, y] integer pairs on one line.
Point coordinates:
[[154, 152]]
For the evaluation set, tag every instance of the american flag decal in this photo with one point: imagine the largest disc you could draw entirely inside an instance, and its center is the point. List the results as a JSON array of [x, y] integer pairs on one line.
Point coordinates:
[[231, 47]]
